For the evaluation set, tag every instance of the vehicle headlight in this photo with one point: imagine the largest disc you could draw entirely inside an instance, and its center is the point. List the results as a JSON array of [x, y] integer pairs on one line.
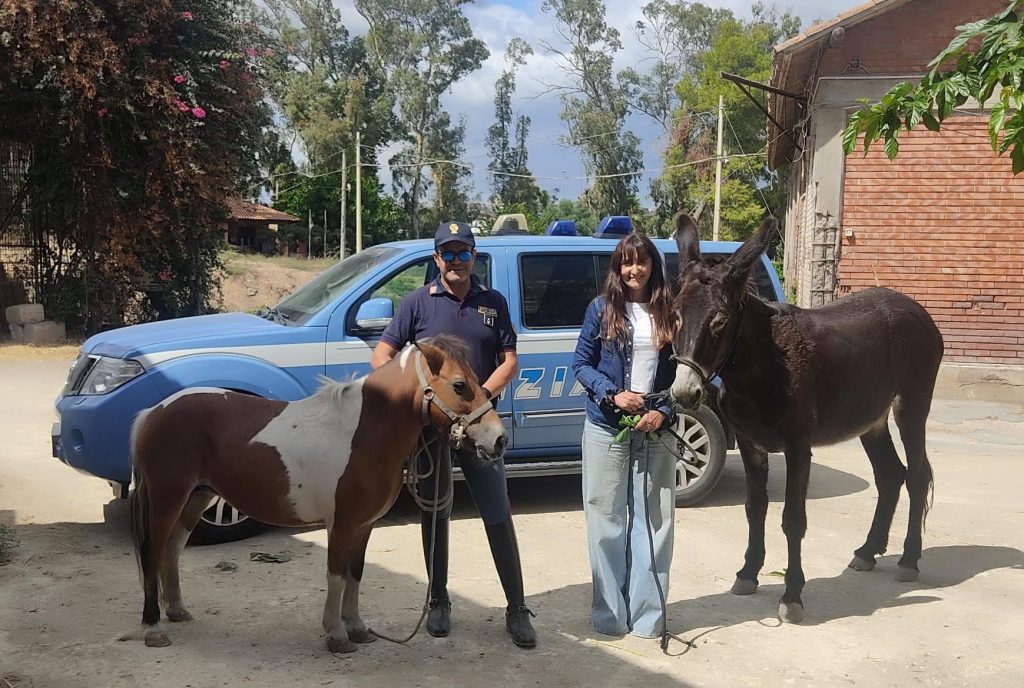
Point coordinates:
[[107, 374]]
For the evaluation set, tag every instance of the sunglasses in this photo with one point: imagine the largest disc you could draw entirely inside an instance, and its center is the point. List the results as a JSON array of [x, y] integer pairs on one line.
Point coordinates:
[[449, 256]]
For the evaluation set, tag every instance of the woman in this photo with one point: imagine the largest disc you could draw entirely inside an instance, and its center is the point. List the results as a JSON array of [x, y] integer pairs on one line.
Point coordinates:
[[622, 358]]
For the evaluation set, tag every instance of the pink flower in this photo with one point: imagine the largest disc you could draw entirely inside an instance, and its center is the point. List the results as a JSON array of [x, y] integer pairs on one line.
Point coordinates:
[[187, 16], [198, 112], [223, 64], [181, 105], [251, 52], [179, 79], [246, 77], [102, 112], [165, 275], [135, 40]]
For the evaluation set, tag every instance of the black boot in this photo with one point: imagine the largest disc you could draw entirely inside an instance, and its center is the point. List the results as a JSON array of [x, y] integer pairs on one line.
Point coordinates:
[[439, 622], [505, 550]]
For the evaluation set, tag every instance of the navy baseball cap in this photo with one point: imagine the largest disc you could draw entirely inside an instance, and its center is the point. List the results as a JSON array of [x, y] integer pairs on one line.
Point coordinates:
[[448, 232]]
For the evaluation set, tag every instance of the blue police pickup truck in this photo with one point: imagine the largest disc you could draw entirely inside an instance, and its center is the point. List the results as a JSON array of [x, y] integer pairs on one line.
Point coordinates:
[[330, 325]]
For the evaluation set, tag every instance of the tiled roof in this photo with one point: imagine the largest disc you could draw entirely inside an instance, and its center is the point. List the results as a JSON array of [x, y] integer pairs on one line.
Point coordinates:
[[244, 210]]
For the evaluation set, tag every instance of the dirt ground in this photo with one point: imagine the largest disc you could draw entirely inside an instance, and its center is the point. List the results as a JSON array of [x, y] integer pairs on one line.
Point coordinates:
[[250, 282], [71, 590]]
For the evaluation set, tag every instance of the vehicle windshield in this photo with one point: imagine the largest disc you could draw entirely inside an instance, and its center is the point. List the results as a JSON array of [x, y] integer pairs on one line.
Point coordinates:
[[308, 299]]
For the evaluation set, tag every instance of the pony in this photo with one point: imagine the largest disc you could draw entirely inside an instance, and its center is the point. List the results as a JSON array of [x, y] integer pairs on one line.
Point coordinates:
[[797, 378], [335, 457]]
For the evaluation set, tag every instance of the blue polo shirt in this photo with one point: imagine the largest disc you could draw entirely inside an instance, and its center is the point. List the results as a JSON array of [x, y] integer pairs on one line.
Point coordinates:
[[481, 319]]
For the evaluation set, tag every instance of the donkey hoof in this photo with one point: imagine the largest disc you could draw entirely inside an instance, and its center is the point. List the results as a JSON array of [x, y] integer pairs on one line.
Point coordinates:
[[178, 615], [340, 645], [742, 586], [906, 575], [156, 639], [361, 636], [791, 612], [862, 564]]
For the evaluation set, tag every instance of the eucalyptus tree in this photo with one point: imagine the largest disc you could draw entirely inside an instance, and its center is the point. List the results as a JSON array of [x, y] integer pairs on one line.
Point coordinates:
[[594, 103], [420, 48]]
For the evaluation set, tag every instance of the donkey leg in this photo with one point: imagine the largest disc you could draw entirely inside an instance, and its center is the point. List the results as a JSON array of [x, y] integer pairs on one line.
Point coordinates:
[[889, 476], [357, 630], [339, 546], [910, 418], [794, 525], [755, 464], [170, 584]]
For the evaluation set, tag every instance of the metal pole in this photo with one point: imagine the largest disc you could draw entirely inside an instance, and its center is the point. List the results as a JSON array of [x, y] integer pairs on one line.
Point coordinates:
[[718, 170], [309, 234], [325, 232], [359, 197], [344, 185]]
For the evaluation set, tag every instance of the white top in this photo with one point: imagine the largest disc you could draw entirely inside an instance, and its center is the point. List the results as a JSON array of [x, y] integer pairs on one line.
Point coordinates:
[[645, 354]]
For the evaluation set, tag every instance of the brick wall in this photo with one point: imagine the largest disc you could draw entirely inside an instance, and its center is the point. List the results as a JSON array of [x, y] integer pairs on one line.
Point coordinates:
[[943, 223], [904, 40]]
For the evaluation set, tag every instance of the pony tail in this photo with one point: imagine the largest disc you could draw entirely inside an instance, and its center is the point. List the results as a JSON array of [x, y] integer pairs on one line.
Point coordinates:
[[138, 508]]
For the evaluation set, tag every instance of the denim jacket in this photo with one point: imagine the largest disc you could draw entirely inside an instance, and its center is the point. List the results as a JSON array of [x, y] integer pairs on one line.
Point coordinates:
[[603, 367]]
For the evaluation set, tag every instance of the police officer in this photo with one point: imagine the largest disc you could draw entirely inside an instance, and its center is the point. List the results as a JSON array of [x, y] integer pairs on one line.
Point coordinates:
[[457, 303]]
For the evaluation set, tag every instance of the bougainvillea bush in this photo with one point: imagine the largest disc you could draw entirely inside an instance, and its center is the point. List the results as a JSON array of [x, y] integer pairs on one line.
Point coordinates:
[[141, 118]]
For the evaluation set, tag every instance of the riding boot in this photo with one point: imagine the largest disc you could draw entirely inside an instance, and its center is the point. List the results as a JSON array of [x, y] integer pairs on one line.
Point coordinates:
[[439, 617], [505, 550]]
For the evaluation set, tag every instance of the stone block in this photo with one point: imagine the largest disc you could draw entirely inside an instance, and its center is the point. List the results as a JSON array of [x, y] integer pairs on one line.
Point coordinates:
[[25, 313], [45, 333], [17, 334]]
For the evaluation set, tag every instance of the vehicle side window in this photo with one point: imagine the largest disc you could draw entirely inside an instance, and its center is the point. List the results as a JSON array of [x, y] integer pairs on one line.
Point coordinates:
[[760, 278], [557, 288], [404, 281]]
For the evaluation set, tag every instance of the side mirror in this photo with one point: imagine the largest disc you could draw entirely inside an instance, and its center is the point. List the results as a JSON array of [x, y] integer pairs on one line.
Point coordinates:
[[375, 314]]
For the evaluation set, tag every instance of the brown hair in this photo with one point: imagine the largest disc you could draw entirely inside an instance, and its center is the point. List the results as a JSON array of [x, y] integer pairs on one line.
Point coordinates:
[[633, 247]]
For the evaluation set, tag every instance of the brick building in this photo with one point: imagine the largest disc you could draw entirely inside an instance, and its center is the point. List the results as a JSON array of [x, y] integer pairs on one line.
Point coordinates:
[[943, 222]]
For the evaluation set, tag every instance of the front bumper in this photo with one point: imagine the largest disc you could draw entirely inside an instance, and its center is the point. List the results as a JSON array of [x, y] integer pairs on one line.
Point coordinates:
[[92, 432]]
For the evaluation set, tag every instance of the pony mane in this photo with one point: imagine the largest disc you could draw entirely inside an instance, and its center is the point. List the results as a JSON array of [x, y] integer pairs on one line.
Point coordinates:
[[334, 390], [452, 346]]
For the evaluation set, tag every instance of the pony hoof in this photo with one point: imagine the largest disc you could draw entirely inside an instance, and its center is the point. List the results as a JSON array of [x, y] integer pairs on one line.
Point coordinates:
[[340, 645], [742, 586], [906, 575], [791, 612], [861, 564], [361, 636], [157, 640], [178, 615]]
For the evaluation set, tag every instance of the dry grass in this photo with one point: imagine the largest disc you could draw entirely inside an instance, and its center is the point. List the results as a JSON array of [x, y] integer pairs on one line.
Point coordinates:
[[28, 352], [237, 263]]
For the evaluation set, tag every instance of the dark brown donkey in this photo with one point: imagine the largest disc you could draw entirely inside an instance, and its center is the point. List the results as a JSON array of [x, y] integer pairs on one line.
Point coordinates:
[[336, 457], [797, 378]]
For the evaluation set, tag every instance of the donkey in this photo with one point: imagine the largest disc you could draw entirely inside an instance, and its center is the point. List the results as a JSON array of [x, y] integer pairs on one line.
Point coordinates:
[[797, 378], [335, 457]]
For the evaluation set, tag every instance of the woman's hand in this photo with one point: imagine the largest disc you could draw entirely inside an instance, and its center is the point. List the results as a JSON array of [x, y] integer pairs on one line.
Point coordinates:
[[630, 402], [650, 421]]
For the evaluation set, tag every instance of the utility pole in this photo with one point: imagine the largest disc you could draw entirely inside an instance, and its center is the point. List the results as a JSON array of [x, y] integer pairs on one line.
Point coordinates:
[[359, 196], [325, 232], [309, 234], [718, 171], [344, 186]]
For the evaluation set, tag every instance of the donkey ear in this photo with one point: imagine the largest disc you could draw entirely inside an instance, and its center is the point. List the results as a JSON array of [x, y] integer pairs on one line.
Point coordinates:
[[746, 255], [687, 240]]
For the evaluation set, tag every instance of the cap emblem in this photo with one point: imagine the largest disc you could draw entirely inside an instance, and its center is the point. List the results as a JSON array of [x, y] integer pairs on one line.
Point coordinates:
[[453, 228]]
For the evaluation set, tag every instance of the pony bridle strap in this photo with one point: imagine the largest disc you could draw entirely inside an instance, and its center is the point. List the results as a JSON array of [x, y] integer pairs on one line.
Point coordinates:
[[459, 423]]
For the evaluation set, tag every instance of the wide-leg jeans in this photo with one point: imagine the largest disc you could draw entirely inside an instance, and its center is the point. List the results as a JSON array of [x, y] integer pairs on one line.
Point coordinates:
[[626, 598]]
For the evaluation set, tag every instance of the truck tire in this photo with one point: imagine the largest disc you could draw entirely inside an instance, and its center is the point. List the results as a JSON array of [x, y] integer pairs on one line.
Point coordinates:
[[698, 472], [222, 522]]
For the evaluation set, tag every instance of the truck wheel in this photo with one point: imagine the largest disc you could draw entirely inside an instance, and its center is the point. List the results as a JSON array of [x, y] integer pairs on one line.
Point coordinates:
[[222, 522], [698, 471]]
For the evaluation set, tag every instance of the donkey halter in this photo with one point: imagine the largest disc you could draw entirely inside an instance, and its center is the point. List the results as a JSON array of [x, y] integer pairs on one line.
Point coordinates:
[[705, 380], [459, 423]]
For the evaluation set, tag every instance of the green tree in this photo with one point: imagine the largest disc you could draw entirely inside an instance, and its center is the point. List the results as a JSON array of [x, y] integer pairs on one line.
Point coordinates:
[[420, 48], [740, 47], [988, 60], [594, 104], [142, 118]]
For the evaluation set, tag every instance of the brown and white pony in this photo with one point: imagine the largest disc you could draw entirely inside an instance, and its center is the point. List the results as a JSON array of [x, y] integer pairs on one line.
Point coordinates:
[[336, 457], [795, 378]]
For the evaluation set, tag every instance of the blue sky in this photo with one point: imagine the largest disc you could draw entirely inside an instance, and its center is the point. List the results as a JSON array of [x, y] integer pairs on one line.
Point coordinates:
[[557, 166]]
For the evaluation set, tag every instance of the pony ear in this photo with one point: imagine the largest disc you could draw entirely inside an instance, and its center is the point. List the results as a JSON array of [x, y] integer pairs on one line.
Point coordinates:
[[687, 240], [741, 262], [434, 356]]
